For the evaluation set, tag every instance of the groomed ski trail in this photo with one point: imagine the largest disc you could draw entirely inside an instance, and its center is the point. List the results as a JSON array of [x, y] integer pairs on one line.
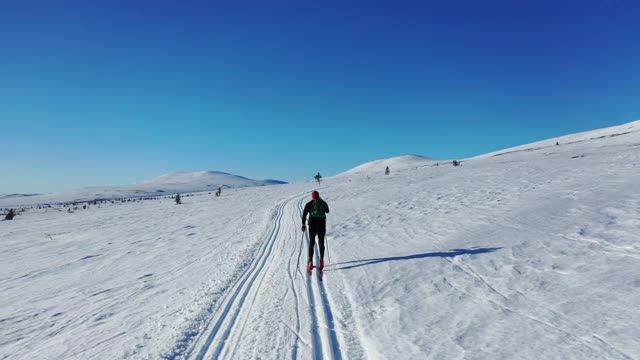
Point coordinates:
[[268, 314], [323, 332], [216, 340]]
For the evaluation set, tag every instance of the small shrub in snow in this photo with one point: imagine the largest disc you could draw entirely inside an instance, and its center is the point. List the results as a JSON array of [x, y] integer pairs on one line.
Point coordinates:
[[10, 215], [456, 163], [178, 201]]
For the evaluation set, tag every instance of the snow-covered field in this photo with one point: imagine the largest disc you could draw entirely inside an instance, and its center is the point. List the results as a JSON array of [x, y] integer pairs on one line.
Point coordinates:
[[527, 253]]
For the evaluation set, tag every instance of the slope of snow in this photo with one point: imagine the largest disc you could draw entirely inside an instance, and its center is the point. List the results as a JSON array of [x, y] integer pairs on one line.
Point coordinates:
[[528, 255], [203, 179], [180, 182], [10, 196], [595, 136], [394, 164]]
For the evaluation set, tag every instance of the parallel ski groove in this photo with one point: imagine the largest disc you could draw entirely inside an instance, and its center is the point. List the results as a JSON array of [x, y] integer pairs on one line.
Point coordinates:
[[316, 341], [296, 344], [232, 306], [329, 346], [250, 288], [331, 331], [316, 337]]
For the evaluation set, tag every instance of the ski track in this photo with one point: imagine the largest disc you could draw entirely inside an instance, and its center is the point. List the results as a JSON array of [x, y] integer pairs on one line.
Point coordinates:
[[325, 343], [236, 304], [296, 270], [222, 339]]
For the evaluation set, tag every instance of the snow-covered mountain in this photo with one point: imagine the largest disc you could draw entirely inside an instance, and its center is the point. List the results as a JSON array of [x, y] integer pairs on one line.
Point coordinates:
[[200, 181], [8, 196], [527, 255], [179, 182]]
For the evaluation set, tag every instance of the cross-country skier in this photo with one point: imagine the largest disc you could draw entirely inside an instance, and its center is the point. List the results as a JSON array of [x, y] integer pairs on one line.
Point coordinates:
[[317, 209]]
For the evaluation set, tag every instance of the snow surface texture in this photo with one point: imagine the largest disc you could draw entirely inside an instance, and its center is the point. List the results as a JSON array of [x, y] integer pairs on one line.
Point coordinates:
[[527, 255], [180, 182], [397, 163]]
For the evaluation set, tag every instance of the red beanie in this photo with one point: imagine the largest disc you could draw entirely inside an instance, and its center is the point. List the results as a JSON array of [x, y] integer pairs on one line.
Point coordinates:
[[315, 194]]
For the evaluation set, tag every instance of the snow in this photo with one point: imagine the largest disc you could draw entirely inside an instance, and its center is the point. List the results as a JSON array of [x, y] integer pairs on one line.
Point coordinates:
[[395, 163], [527, 255], [7, 196], [179, 182], [593, 136], [202, 180]]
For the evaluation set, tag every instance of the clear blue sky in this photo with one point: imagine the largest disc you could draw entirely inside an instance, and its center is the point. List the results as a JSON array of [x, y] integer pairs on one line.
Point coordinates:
[[110, 92]]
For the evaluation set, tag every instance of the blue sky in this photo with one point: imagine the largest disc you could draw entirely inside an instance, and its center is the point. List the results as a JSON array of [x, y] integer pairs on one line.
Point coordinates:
[[111, 92]]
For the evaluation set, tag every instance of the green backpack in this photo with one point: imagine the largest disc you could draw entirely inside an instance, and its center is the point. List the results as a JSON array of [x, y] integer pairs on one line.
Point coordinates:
[[319, 209]]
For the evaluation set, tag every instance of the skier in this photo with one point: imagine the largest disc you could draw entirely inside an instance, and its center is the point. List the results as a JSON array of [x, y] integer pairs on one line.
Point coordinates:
[[317, 209], [10, 215]]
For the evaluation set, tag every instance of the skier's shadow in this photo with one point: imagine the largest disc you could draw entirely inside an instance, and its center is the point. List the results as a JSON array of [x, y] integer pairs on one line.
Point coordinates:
[[448, 254]]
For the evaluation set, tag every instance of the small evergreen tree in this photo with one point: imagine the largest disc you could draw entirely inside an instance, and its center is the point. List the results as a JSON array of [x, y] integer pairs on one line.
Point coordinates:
[[178, 201], [387, 171], [318, 177]]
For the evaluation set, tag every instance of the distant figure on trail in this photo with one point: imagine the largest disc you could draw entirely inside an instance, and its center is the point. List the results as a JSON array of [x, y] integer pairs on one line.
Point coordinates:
[[10, 215], [219, 192], [317, 209]]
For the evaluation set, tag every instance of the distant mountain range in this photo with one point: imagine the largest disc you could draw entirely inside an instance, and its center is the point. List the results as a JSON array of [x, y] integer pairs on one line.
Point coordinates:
[[178, 182], [184, 182]]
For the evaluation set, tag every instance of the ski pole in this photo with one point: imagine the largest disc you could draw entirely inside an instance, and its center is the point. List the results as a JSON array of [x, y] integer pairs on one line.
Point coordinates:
[[326, 244], [299, 252]]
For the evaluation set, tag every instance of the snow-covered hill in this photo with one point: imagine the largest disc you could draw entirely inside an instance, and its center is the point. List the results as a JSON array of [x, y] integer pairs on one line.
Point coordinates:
[[10, 196], [394, 163], [179, 182], [526, 255], [599, 137], [202, 180]]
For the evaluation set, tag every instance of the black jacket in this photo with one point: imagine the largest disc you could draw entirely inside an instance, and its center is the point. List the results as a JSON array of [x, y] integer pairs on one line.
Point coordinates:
[[309, 208]]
